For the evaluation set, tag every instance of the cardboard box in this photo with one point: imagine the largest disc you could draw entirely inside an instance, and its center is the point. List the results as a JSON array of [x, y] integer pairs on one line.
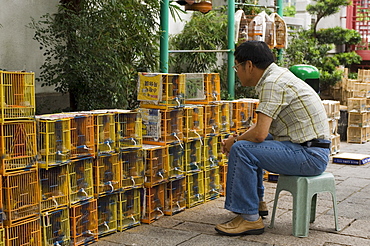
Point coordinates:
[[351, 159]]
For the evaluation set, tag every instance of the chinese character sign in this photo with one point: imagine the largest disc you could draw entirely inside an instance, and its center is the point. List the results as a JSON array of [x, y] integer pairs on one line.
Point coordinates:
[[149, 87]]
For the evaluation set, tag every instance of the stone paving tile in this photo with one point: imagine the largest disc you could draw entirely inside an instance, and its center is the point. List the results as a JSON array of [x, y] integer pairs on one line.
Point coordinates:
[[206, 240], [358, 228], [148, 235]]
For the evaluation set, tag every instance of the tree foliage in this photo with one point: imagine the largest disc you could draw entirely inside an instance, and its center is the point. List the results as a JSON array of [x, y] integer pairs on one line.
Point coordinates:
[[313, 46], [94, 48], [324, 8], [202, 32]]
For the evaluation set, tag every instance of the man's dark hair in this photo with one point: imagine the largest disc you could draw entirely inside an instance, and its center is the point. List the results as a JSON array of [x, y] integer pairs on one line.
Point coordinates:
[[255, 51]]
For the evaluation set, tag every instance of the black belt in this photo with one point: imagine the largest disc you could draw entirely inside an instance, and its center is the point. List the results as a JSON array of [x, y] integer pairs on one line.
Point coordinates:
[[316, 143]]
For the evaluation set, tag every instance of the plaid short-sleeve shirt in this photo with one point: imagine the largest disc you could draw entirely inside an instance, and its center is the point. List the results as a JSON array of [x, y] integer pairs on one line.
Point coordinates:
[[297, 111]]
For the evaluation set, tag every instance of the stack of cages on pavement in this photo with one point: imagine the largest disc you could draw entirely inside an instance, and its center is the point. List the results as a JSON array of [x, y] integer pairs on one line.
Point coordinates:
[[107, 174], [132, 171], [53, 140], [56, 228], [17, 93], [107, 214], [357, 120], [153, 203], [193, 122], [25, 232], [54, 185], [202, 88], [175, 196], [82, 135], [129, 209], [104, 131], [84, 222], [128, 129], [161, 90], [81, 187], [21, 196], [156, 164], [162, 127], [18, 145]]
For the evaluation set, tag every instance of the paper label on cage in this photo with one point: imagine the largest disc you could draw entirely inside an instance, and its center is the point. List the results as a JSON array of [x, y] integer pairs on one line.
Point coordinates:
[[149, 87], [151, 119], [194, 86]]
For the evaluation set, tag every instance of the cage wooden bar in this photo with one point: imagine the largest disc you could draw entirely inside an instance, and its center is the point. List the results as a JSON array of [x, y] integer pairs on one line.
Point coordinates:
[[194, 156], [129, 210], [161, 127], [25, 232], [18, 145], [53, 140], [128, 129], [211, 119], [17, 95], [132, 172], [107, 214], [225, 116], [195, 189], [21, 193], [161, 90], [56, 228], [54, 186], [104, 131], [156, 164], [210, 151], [153, 205], [193, 122], [176, 164], [80, 172], [175, 196], [82, 135], [107, 174], [84, 223], [211, 88], [212, 186]]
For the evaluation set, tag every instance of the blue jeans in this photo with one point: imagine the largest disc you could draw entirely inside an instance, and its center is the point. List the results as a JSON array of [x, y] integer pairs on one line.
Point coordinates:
[[244, 186]]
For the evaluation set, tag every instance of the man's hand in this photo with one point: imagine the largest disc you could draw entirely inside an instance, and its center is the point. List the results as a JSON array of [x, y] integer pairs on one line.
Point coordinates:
[[227, 143]]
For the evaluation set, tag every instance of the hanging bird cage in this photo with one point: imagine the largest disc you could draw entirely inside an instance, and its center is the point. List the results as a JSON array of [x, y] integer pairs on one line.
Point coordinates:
[[201, 6], [281, 31]]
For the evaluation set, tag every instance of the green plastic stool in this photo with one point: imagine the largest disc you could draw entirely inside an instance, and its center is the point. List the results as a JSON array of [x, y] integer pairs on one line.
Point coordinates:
[[304, 191]]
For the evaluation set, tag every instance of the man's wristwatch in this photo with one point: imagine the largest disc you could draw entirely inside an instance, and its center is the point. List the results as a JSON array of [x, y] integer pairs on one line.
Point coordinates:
[[235, 139]]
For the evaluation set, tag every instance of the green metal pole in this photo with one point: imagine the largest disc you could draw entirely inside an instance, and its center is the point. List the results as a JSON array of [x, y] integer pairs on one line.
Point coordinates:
[[280, 11], [163, 65], [231, 47]]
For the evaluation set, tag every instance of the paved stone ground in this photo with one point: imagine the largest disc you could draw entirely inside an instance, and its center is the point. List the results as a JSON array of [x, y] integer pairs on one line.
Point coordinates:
[[195, 226]]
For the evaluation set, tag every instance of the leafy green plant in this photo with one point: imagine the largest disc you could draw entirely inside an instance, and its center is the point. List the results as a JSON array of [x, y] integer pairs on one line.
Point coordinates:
[[93, 50], [313, 46], [202, 32], [338, 36], [289, 11]]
